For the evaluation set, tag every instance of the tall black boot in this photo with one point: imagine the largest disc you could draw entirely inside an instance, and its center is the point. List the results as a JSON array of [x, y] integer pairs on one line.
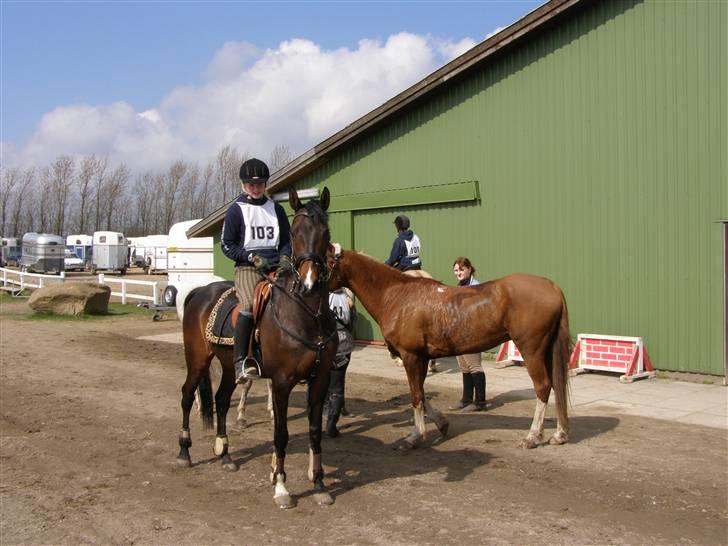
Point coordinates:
[[479, 383], [467, 398], [336, 400], [245, 367]]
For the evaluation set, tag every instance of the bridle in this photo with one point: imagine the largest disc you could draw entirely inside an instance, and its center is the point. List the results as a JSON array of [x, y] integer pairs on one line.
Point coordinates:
[[318, 260], [323, 338]]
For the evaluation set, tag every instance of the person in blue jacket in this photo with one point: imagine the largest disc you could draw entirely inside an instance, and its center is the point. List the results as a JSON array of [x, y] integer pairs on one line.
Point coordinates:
[[256, 235], [405, 254]]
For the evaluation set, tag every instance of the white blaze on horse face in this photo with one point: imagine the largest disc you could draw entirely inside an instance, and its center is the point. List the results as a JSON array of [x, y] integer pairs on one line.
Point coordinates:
[[308, 281]]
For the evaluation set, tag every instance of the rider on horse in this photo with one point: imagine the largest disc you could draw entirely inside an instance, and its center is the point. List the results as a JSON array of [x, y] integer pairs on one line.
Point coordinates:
[[256, 235]]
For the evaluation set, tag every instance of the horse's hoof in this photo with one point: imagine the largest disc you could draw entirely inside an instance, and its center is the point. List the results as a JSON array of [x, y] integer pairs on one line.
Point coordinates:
[[323, 498], [183, 463], [558, 439], [529, 443], [241, 424], [283, 501], [230, 467], [407, 445]]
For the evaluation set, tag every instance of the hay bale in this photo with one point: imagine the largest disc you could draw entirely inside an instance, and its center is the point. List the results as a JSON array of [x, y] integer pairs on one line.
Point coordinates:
[[71, 298]]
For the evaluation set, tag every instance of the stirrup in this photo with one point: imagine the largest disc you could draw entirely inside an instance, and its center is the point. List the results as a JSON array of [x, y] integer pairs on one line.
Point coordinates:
[[251, 368]]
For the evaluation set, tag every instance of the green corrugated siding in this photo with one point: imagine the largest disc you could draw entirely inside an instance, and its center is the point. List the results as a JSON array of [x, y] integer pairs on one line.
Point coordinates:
[[600, 151]]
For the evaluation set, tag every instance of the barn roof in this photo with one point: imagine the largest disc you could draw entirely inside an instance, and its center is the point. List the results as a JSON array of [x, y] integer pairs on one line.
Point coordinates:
[[322, 152]]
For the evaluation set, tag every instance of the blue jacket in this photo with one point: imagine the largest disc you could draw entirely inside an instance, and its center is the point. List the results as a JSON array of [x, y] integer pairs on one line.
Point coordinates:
[[233, 233], [398, 256]]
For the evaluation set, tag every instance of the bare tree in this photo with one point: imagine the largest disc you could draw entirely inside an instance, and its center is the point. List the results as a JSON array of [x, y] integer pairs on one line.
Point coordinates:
[[9, 179], [20, 222], [60, 178], [227, 173], [99, 180], [205, 194], [279, 157], [142, 203], [87, 171], [113, 191]]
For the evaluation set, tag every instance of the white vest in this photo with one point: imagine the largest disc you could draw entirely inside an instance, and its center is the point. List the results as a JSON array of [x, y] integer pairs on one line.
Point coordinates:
[[413, 248], [339, 304], [261, 226]]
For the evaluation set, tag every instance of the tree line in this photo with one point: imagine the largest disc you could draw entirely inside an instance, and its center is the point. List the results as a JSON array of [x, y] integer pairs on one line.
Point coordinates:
[[82, 195]]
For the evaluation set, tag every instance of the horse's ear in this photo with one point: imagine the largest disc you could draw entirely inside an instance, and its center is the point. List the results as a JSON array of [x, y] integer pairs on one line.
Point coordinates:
[[325, 199], [293, 199]]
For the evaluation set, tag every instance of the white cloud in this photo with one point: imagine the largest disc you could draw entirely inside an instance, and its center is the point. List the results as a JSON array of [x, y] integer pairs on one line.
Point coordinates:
[[296, 94]]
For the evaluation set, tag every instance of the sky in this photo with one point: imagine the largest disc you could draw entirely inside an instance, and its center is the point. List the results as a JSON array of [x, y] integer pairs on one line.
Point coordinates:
[[148, 82]]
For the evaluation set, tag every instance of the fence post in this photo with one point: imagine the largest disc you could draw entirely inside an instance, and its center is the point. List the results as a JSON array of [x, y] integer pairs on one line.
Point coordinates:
[[101, 278], [22, 281], [123, 292], [155, 301], [5, 277], [63, 276], [40, 281]]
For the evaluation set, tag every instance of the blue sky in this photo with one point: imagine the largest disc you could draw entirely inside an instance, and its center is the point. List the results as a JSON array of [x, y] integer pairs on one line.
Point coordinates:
[[118, 60]]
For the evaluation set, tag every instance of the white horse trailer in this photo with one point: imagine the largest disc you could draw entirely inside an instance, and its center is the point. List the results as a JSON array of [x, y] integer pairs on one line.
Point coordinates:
[[82, 246], [155, 253], [189, 264], [109, 252], [43, 253], [10, 251]]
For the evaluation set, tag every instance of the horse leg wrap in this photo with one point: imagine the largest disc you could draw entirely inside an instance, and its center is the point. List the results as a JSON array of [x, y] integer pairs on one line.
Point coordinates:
[[185, 441], [221, 446]]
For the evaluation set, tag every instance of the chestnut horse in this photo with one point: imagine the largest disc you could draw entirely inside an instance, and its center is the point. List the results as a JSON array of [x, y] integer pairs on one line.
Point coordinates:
[[423, 319], [297, 341]]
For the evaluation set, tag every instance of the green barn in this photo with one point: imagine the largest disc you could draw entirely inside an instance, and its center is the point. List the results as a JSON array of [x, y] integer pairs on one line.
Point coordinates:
[[587, 142]]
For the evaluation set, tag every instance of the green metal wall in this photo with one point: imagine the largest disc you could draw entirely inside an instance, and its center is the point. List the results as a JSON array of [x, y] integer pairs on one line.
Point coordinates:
[[599, 149]]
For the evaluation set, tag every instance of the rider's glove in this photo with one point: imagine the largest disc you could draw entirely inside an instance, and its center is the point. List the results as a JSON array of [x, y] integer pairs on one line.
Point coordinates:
[[261, 264], [285, 264]]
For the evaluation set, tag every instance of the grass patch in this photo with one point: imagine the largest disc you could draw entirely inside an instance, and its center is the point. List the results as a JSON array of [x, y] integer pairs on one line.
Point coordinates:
[[116, 310]]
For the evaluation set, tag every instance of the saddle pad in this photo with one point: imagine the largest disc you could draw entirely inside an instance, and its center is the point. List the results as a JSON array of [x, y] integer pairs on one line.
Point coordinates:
[[220, 327]]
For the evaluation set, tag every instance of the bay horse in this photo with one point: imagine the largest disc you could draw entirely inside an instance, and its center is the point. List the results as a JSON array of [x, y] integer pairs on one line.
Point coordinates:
[[297, 341], [422, 319]]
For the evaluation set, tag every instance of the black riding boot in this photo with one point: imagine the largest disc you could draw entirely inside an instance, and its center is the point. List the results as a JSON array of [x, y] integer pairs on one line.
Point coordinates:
[[336, 401], [467, 398], [245, 367], [479, 383]]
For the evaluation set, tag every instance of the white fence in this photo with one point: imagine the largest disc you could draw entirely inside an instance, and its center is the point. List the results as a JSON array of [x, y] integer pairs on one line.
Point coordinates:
[[19, 280]]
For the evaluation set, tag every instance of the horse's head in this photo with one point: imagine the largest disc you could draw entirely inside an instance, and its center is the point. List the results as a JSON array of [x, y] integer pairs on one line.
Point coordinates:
[[333, 255], [310, 238]]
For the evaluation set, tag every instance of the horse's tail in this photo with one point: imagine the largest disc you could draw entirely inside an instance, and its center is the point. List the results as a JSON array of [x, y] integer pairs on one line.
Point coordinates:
[[205, 390], [561, 350]]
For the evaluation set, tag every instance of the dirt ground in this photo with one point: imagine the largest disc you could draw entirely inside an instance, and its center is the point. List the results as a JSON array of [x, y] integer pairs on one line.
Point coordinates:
[[89, 418]]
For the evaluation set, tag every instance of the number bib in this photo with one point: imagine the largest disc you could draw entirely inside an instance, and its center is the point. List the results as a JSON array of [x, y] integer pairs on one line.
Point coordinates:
[[261, 226], [413, 249], [339, 304]]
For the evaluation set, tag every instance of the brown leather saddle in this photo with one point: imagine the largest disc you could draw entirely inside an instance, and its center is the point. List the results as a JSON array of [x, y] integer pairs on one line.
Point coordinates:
[[220, 328]]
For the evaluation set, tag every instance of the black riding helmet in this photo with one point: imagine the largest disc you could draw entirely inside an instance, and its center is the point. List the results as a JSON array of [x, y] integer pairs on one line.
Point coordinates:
[[401, 222], [255, 171]]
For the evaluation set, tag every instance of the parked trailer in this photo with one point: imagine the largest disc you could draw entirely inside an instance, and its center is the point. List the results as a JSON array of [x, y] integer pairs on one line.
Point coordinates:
[[136, 251], [42, 253], [82, 246], [155, 253], [10, 252], [189, 263], [109, 252]]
